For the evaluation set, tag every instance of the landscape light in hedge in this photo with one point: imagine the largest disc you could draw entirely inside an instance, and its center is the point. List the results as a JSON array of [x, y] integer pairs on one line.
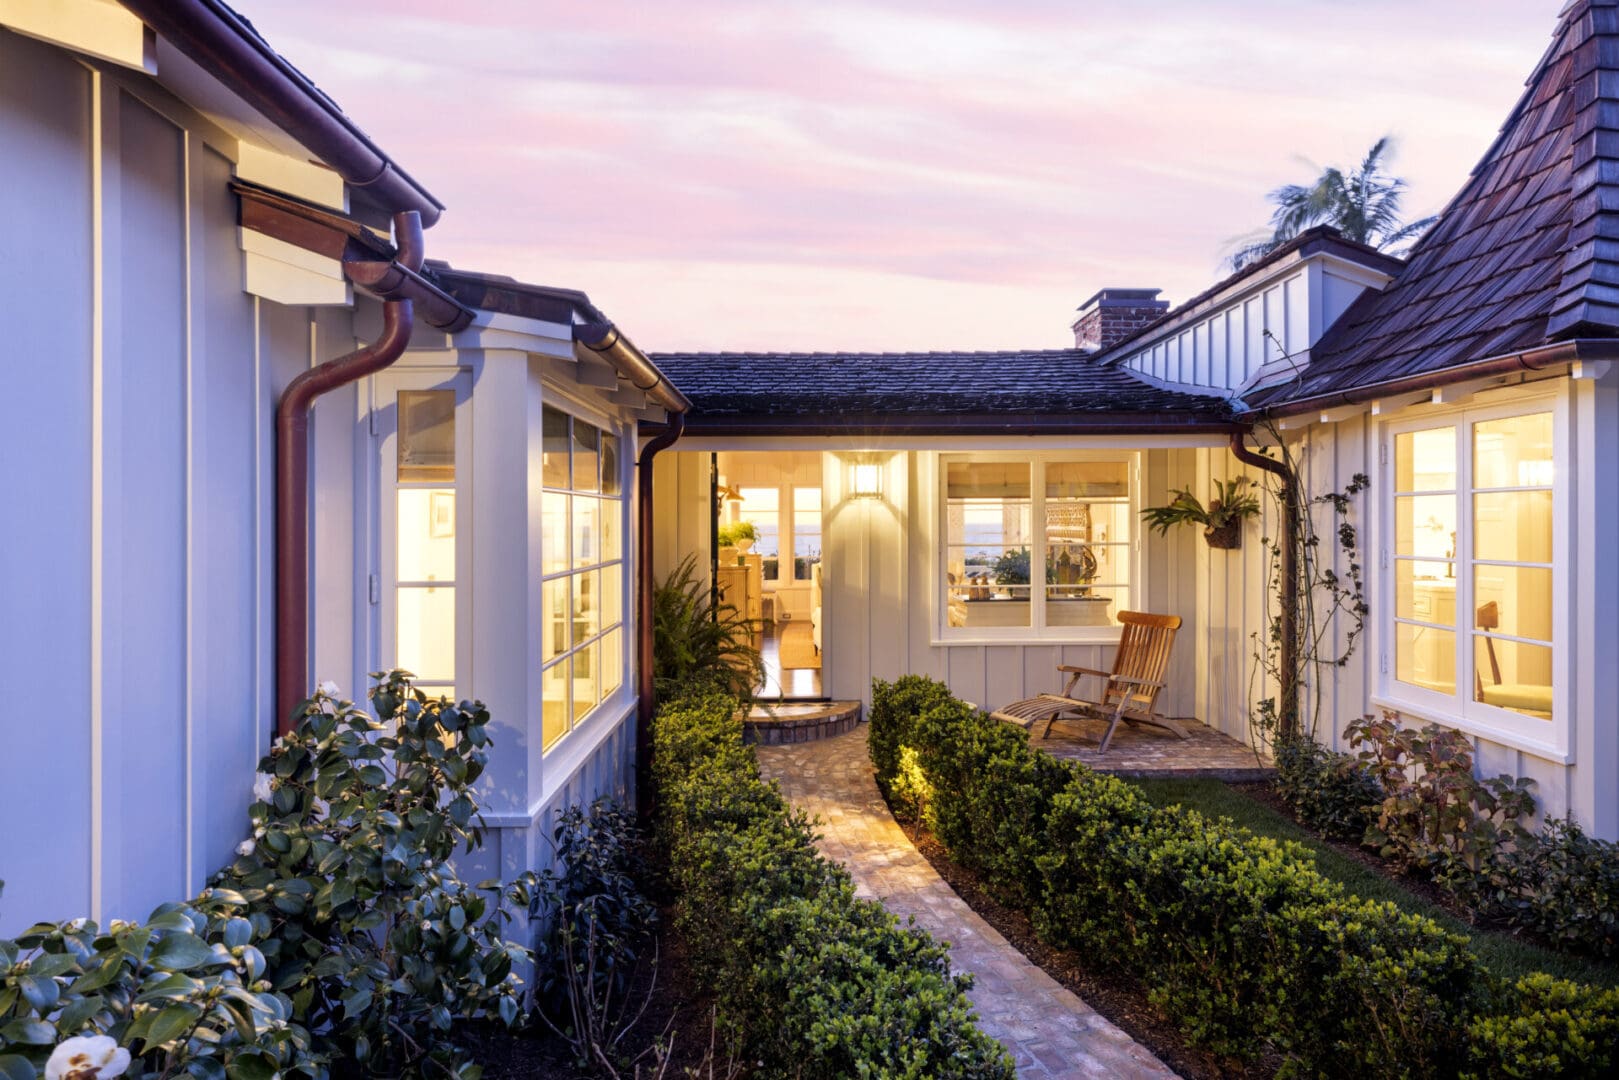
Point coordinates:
[[87, 1057]]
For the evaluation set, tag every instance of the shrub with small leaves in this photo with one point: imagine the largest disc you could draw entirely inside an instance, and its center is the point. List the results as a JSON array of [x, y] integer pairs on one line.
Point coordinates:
[[1546, 1027], [810, 981], [895, 707]]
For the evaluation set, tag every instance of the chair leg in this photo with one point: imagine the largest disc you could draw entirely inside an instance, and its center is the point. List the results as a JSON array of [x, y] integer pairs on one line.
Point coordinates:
[[1112, 726], [1052, 719]]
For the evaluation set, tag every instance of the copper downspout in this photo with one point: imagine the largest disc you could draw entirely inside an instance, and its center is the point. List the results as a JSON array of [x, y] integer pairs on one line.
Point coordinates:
[[646, 587], [292, 477], [1288, 713]]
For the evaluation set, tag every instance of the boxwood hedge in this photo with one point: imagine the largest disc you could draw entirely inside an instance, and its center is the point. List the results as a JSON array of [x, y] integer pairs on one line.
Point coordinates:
[[1236, 936], [809, 981]]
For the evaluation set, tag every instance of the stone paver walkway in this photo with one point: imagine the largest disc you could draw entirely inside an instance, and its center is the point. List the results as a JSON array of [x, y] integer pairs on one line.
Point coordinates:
[[1050, 1031]]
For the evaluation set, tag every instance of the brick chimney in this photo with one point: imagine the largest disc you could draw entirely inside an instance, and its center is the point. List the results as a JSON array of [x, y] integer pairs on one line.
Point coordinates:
[[1114, 314]]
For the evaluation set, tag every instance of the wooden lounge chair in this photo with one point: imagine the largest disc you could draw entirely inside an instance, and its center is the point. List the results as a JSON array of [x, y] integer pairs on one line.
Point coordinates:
[[1129, 691]]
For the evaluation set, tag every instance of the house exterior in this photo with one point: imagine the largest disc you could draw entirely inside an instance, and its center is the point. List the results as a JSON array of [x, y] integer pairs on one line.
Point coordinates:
[[191, 228], [1473, 386]]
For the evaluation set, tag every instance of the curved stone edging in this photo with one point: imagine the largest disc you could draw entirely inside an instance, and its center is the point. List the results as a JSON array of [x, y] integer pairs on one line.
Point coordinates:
[[797, 724], [1049, 1030]]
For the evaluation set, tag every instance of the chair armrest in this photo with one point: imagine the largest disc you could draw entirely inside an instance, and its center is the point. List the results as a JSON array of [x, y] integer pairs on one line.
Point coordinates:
[[1076, 669], [1130, 680]]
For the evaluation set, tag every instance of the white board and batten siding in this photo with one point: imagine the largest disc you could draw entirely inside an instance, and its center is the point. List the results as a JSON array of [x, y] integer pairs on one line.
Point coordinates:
[[882, 585], [135, 578], [1270, 319], [1232, 610]]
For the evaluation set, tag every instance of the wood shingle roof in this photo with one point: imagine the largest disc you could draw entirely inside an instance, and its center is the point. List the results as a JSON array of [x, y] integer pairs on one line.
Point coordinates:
[[875, 384], [1526, 254]]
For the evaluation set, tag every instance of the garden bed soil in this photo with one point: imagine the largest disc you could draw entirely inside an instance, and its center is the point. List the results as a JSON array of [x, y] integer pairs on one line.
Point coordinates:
[[1114, 994], [680, 1009]]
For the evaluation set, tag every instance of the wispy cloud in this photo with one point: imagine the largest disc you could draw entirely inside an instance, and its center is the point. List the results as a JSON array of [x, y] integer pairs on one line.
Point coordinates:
[[893, 173]]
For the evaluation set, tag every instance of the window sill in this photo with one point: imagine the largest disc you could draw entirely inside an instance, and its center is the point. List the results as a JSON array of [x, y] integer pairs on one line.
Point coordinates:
[[1496, 733], [1089, 635]]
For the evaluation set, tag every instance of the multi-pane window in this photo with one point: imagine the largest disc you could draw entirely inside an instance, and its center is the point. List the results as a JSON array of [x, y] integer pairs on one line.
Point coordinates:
[[582, 570], [424, 566], [1036, 543], [1473, 531], [762, 506], [806, 531]]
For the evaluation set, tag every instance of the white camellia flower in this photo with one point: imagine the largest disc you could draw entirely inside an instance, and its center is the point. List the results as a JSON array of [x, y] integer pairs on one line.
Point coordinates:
[[245, 847], [329, 688], [87, 1057], [261, 787]]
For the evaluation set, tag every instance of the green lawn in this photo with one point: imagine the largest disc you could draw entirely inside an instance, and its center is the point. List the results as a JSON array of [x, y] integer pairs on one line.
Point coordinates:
[[1502, 953]]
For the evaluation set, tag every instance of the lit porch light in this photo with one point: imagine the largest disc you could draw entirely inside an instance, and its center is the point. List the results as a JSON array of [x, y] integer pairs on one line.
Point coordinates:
[[866, 481]]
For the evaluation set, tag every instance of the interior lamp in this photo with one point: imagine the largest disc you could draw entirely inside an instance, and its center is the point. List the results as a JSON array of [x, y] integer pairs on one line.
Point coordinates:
[[866, 481]]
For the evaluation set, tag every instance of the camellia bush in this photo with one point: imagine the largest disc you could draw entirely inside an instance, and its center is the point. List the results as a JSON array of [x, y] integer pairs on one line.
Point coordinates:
[[340, 941]]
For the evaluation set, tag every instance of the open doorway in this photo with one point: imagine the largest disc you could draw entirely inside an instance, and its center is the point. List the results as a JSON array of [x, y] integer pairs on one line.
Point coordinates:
[[768, 561]]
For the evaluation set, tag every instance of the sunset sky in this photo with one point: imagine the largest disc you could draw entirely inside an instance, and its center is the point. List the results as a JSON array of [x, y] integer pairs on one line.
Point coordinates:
[[894, 174]]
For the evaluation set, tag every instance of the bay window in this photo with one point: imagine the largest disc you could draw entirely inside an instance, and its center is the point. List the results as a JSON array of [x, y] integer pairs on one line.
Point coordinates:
[[581, 570], [1036, 545], [1475, 529]]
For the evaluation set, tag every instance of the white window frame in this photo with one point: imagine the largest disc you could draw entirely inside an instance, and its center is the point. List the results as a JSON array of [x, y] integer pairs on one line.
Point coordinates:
[[1548, 739], [385, 417], [1036, 631], [610, 703], [786, 532]]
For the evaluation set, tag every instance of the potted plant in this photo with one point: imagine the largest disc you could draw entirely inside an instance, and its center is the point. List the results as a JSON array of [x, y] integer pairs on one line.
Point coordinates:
[[738, 534], [1221, 520]]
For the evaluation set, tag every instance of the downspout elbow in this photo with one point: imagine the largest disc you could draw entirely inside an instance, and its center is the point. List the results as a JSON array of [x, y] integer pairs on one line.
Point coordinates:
[[646, 589], [292, 478], [1289, 712]]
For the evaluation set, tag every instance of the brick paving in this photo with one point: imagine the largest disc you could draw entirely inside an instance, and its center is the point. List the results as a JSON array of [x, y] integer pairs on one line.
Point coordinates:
[[1145, 751], [1049, 1031]]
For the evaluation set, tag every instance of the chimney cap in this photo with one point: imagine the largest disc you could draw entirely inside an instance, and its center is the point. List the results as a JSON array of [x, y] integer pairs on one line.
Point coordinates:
[[1115, 297]]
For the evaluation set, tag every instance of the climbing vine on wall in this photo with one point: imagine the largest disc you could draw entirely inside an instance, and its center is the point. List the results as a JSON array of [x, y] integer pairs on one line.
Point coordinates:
[[1330, 606]]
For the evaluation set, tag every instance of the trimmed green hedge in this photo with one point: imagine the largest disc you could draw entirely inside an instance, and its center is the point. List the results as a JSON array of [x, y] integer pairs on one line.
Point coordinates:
[[811, 982], [1236, 936]]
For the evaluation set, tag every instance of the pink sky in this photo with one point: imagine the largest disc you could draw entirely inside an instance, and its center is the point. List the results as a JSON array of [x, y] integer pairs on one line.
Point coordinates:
[[894, 174]]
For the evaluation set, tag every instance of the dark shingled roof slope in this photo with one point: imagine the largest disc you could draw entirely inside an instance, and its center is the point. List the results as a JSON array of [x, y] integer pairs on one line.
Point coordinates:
[[1526, 254], [1063, 381]]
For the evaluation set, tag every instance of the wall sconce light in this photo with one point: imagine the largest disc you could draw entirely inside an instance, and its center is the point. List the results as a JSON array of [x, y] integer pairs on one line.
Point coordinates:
[[866, 480]]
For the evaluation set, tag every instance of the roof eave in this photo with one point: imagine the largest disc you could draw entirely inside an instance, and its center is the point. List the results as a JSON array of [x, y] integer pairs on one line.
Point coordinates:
[[219, 40], [879, 425]]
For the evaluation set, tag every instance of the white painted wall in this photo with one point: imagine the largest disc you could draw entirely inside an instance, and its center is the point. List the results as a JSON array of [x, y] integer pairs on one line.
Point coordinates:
[[135, 572], [880, 573], [1231, 605], [1228, 341]]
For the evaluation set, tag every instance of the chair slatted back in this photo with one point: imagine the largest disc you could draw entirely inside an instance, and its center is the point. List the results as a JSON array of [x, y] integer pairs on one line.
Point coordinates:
[[1143, 654]]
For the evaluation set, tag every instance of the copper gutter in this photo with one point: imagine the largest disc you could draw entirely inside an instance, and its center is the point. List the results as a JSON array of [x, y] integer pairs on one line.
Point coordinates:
[[605, 340], [645, 590], [292, 477], [228, 48], [1288, 713], [1538, 359]]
